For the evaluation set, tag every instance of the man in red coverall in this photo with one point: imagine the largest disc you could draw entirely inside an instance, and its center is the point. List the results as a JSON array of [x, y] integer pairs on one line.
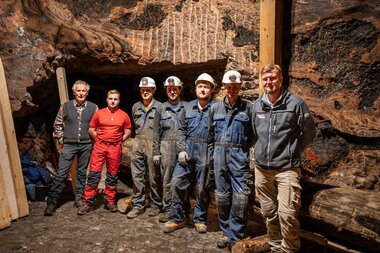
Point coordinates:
[[109, 128]]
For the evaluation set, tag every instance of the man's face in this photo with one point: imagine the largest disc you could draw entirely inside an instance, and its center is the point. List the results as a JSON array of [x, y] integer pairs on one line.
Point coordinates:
[[147, 93], [113, 100], [232, 90], [203, 90], [173, 92], [271, 82], [80, 93]]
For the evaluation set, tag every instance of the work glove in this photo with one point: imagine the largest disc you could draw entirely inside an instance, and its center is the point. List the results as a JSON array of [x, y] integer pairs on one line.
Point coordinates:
[[157, 160], [183, 158]]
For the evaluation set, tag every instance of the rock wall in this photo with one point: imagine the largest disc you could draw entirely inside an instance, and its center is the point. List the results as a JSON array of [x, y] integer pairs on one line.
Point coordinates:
[[331, 58]]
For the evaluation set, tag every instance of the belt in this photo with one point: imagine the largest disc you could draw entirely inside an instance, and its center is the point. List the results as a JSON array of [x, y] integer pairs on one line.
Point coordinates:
[[230, 145], [197, 140], [109, 142]]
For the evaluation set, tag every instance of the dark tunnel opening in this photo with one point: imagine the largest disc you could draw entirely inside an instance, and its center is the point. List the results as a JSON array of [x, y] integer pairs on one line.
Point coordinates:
[[102, 78]]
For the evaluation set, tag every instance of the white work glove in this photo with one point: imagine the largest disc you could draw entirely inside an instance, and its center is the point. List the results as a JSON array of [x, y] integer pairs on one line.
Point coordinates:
[[183, 158], [157, 159]]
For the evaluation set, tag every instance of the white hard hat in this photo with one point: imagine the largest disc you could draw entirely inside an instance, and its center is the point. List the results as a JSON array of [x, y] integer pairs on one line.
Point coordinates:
[[205, 77], [173, 80], [231, 76], [147, 82]]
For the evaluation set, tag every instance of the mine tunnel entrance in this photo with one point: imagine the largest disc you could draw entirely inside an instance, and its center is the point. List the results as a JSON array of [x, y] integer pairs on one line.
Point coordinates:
[[127, 84], [124, 78]]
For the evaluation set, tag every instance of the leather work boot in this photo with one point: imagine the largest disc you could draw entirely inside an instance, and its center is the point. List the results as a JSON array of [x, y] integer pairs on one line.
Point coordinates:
[[200, 228], [172, 226], [83, 209], [111, 207], [135, 212], [153, 211], [78, 201], [164, 217], [222, 242], [51, 206]]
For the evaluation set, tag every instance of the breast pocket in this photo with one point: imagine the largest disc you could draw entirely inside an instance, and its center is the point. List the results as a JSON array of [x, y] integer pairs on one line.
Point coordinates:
[[218, 122], [191, 119], [240, 128], [166, 121], [137, 118]]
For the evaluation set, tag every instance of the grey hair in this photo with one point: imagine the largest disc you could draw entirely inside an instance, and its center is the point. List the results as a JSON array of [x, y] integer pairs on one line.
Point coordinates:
[[80, 82]]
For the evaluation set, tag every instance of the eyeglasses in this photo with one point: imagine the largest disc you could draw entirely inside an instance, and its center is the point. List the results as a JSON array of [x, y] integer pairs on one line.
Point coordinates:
[[271, 79]]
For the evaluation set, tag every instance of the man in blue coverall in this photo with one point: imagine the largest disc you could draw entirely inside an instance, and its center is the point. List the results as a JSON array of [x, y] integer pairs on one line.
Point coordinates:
[[165, 139], [230, 126], [142, 152], [193, 159]]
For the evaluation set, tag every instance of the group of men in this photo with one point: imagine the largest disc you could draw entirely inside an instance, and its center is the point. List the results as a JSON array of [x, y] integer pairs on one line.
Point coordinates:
[[180, 147]]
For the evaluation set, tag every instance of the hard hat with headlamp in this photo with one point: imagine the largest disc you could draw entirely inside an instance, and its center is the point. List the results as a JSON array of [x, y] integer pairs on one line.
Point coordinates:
[[147, 82], [206, 77], [231, 76], [173, 80]]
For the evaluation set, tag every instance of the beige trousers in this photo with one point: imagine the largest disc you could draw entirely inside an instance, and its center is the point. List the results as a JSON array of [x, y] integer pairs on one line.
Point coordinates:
[[279, 194]]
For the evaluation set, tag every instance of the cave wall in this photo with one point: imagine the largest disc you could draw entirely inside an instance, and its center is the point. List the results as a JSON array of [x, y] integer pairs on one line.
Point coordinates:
[[331, 59]]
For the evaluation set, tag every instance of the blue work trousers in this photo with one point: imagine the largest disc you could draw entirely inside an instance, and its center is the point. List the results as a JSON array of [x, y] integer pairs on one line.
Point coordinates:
[[195, 171], [233, 185], [168, 162]]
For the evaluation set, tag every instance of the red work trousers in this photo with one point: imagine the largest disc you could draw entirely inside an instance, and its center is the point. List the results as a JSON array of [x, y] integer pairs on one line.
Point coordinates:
[[110, 154]]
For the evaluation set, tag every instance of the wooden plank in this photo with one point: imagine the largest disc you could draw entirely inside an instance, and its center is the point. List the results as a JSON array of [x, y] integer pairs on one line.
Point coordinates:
[[270, 34], [62, 85], [5, 211], [13, 152], [6, 174], [64, 97]]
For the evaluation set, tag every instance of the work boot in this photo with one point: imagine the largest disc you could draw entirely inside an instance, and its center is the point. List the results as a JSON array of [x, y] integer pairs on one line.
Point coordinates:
[[83, 209], [153, 211], [78, 201], [200, 228], [135, 212], [222, 242], [51, 206], [172, 226], [164, 217], [111, 207]]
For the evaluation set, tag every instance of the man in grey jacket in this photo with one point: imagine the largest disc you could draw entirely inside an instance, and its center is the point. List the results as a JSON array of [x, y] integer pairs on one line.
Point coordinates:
[[283, 127]]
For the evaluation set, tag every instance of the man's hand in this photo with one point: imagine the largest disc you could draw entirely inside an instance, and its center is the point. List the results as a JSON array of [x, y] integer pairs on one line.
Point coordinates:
[[157, 159], [183, 158], [58, 145]]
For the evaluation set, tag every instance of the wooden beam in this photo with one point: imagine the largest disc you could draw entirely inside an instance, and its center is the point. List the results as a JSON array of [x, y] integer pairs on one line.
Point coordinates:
[[5, 211], [62, 85], [270, 34], [64, 97], [6, 174], [13, 152]]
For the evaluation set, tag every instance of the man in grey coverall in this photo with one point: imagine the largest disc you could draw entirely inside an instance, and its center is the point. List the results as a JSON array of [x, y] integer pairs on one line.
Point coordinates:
[[165, 139], [142, 152]]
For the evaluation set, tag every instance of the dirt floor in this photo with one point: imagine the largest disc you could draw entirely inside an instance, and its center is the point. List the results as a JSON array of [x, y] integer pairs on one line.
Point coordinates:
[[102, 231]]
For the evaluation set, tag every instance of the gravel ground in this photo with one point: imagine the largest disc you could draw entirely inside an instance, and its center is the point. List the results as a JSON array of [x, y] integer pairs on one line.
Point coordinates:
[[102, 231]]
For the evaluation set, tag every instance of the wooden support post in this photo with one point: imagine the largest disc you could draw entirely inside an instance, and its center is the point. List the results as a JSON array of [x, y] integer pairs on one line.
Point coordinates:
[[6, 174], [270, 34], [11, 146], [5, 211], [64, 97]]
